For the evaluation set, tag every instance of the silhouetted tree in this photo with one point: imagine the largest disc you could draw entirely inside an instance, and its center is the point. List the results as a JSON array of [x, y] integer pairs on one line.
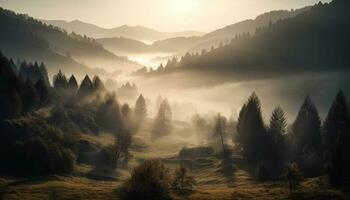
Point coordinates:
[[306, 141], [182, 181], [162, 123], [30, 96], [73, 84], [97, 84], [140, 110], [86, 87], [43, 91], [337, 141], [220, 131], [60, 81], [252, 136]]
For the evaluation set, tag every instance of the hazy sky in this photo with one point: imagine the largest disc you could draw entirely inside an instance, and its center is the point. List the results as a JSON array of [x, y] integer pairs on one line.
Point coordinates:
[[165, 15]]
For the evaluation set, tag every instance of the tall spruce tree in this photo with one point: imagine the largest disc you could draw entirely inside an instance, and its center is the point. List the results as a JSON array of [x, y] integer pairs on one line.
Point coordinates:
[[277, 130], [72, 83], [60, 81], [86, 87], [97, 84], [220, 131], [252, 132], [140, 110], [306, 130], [337, 141]]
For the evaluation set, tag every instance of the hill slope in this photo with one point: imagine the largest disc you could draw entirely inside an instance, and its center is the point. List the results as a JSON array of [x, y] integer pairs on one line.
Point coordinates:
[[16, 27], [133, 32]]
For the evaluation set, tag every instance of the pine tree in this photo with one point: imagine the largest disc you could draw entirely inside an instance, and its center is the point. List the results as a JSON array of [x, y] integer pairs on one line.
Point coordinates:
[[72, 83], [86, 87], [252, 132], [60, 81], [30, 96], [97, 84], [43, 90], [306, 130], [162, 123], [277, 129], [140, 110], [337, 141]]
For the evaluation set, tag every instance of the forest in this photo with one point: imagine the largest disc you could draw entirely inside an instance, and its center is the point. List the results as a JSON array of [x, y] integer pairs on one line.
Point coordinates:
[[257, 109]]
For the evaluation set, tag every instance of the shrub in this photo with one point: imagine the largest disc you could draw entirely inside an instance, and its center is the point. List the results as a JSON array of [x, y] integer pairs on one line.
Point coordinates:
[[183, 182], [292, 175], [149, 180], [29, 146]]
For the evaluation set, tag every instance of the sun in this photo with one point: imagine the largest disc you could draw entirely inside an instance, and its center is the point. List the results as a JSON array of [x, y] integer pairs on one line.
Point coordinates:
[[182, 6]]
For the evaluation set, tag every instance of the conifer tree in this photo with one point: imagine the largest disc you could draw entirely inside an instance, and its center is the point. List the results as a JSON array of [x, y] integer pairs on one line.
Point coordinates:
[[277, 129], [86, 87], [72, 83], [252, 134], [140, 110], [162, 123], [337, 141], [306, 130], [220, 131], [97, 84], [42, 90], [60, 81]]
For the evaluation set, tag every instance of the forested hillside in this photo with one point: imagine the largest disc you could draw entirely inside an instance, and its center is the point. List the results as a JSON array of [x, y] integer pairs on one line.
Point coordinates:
[[26, 38]]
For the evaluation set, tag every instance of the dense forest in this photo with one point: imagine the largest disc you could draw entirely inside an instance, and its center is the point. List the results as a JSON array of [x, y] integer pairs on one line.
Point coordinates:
[[73, 126], [313, 44]]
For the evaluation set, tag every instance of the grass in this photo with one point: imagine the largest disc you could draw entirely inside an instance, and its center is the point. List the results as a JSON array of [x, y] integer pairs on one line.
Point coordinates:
[[216, 180]]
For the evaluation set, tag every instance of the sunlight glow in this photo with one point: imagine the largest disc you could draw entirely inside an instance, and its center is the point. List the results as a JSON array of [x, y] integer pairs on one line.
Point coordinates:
[[182, 6]]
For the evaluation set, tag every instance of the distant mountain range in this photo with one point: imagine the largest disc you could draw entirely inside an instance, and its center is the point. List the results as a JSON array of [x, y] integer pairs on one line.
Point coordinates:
[[314, 41], [140, 33], [23, 37], [181, 45]]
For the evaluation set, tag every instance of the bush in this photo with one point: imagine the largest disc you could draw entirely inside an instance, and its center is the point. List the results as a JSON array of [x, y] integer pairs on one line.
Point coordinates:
[[29, 146], [150, 180], [182, 182]]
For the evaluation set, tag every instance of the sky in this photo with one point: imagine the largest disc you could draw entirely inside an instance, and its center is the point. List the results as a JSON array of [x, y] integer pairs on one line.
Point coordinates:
[[164, 15]]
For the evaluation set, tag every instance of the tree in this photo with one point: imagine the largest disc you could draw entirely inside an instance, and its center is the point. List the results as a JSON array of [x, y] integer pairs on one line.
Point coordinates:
[[182, 182], [72, 83], [108, 115], [60, 81], [140, 110], [337, 141], [306, 141], [42, 90], [220, 131], [252, 136], [162, 122], [292, 175], [30, 96], [149, 180], [10, 105], [97, 84], [86, 87], [277, 130]]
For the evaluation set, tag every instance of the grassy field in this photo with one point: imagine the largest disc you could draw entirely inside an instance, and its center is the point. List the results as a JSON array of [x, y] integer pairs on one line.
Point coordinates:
[[214, 181]]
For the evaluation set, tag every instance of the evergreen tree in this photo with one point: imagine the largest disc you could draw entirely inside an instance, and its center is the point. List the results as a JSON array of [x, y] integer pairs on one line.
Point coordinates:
[[60, 81], [45, 76], [277, 130], [97, 84], [337, 141], [10, 105], [162, 123], [72, 83], [30, 96], [252, 135], [140, 110], [43, 90], [306, 140], [306, 130], [86, 87]]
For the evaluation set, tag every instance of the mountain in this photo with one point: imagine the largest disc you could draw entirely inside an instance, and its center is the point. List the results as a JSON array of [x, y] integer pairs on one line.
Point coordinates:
[[27, 38], [225, 34], [140, 33], [122, 45], [314, 41], [181, 45]]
